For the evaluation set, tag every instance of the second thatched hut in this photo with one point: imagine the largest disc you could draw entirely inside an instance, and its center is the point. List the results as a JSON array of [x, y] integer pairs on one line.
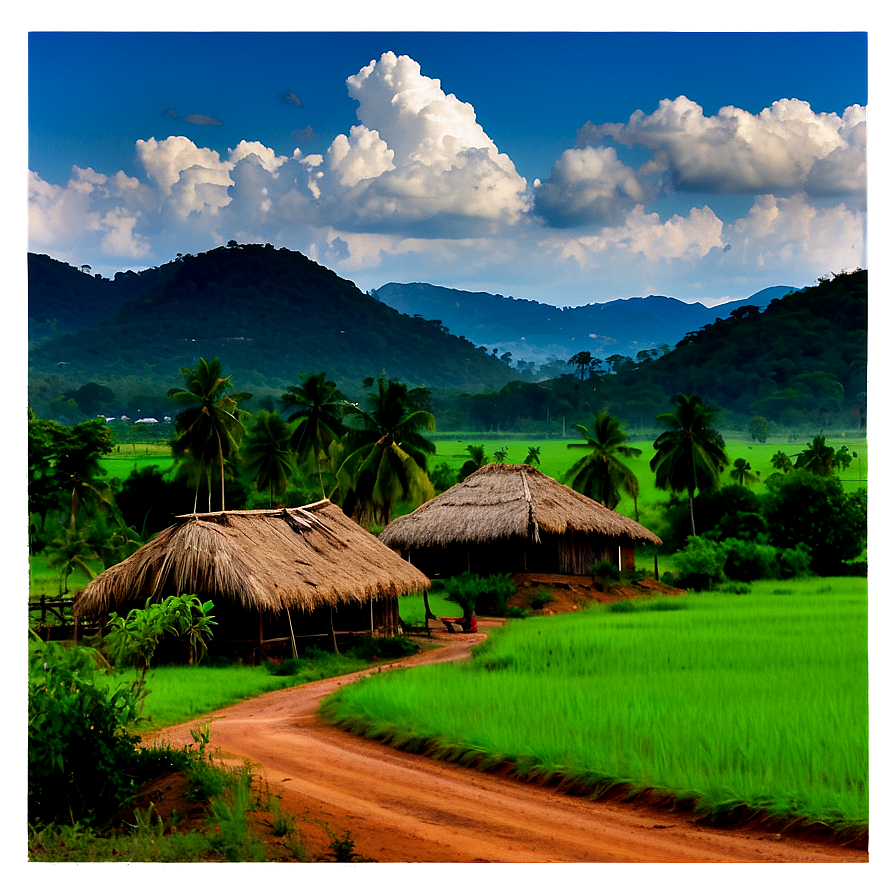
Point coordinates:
[[514, 518]]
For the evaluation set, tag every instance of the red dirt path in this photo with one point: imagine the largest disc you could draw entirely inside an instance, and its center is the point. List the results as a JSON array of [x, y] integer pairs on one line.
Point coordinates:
[[405, 808]]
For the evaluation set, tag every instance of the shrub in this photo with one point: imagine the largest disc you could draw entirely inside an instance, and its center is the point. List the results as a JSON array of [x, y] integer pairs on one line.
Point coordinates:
[[541, 598], [604, 569], [701, 565], [369, 647], [78, 745], [747, 561], [794, 562], [480, 594]]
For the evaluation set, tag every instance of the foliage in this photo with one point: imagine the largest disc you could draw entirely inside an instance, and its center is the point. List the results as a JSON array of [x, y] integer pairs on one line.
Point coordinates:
[[135, 637], [701, 565], [475, 593], [78, 743], [690, 453], [804, 508], [385, 460], [267, 456], [601, 474], [742, 474], [759, 429], [818, 457], [604, 569], [478, 458], [319, 409], [541, 599], [209, 431]]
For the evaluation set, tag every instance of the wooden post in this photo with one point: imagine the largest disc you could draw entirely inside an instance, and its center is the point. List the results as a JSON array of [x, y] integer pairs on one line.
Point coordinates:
[[371, 616], [292, 636], [656, 568], [333, 632]]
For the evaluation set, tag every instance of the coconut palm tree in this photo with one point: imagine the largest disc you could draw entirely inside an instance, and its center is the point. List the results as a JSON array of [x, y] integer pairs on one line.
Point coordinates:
[[817, 457], [690, 454], [781, 462], [318, 417], [385, 454], [601, 474], [209, 430], [267, 455], [741, 473], [534, 456], [478, 458]]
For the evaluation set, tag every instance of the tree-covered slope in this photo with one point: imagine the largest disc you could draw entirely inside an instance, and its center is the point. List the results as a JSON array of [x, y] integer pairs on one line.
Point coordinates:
[[268, 314]]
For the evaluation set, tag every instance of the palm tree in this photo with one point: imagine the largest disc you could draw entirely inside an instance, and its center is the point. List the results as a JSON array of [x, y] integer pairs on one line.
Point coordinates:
[[741, 473], [585, 362], [267, 455], [318, 417], [385, 459], [209, 431], [601, 474], [534, 456], [781, 462], [478, 458], [817, 457], [690, 454]]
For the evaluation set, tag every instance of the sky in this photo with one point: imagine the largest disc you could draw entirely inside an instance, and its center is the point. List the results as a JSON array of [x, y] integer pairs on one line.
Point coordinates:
[[565, 167]]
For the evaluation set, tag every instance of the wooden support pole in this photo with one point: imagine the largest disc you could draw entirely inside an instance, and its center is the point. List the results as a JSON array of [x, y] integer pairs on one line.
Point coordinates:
[[333, 632]]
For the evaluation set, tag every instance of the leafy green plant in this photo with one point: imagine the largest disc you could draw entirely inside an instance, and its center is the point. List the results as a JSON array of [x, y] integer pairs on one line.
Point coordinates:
[[701, 565], [604, 569], [79, 747], [342, 847], [541, 599], [474, 593]]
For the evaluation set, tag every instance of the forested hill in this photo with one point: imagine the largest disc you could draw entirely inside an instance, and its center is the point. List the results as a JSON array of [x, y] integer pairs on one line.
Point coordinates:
[[800, 363], [267, 313], [532, 331]]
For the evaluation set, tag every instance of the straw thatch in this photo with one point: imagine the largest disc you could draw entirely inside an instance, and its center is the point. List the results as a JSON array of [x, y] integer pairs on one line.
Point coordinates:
[[508, 501], [302, 558], [513, 513]]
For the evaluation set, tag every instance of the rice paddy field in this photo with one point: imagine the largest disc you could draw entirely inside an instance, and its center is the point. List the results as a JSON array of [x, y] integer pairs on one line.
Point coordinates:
[[755, 702]]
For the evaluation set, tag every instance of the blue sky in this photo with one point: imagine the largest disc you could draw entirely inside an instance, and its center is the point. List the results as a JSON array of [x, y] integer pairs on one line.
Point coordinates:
[[561, 167]]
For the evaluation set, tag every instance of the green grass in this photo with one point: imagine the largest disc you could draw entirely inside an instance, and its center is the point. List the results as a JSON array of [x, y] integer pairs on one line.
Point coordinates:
[[755, 700], [181, 693], [413, 611]]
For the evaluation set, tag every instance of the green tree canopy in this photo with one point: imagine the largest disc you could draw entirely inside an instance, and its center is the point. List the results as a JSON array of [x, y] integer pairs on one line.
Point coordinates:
[[385, 460], [601, 474], [319, 409], [690, 453], [267, 455], [209, 430]]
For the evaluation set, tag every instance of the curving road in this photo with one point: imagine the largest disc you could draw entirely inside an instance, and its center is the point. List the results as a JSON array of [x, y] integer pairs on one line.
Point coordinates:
[[405, 808]]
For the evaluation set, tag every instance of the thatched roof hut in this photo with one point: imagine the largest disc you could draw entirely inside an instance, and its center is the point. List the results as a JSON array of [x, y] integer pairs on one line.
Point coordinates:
[[514, 518], [312, 561]]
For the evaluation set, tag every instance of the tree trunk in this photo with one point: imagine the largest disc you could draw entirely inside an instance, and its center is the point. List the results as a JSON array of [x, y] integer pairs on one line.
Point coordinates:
[[691, 503]]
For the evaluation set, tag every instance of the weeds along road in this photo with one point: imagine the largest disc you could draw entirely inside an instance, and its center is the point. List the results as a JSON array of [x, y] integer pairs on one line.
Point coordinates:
[[405, 808]]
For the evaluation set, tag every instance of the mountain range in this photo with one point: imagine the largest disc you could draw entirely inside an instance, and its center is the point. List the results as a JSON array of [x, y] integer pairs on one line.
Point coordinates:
[[536, 332]]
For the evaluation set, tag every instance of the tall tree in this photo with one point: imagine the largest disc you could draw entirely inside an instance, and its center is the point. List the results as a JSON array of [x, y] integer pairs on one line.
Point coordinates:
[[319, 408], [584, 362], [267, 455], [817, 457], [385, 454], [601, 474], [742, 473], [690, 453], [478, 458], [209, 430]]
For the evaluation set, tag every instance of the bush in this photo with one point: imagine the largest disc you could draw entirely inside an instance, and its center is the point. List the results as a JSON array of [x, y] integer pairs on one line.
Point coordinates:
[[748, 561], [604, 569], [540, 599], [480, 594], [78, 745], [369, 647], [701, 565]]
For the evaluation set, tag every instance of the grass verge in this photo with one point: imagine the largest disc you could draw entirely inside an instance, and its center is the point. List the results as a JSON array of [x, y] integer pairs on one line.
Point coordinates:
[[748, 705]]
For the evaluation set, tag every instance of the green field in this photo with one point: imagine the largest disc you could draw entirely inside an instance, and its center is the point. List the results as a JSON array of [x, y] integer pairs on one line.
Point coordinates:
[[757, 700]]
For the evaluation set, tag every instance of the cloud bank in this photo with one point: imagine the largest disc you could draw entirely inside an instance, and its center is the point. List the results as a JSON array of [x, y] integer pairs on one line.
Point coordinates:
[[417, 190]]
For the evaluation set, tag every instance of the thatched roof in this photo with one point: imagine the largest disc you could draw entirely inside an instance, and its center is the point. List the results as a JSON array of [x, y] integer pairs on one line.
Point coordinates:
[[297, 558], [501, 501]]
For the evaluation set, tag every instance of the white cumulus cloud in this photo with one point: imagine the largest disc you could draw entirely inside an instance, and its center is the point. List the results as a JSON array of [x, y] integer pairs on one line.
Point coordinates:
[[418, 162], [785, 146], [588, 185]]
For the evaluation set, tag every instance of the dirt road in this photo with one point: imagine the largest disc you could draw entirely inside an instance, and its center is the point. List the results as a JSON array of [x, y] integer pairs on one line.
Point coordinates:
[[406, 808]]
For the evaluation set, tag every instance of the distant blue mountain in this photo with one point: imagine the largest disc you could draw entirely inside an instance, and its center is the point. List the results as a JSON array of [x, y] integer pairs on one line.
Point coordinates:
[[533, 331]]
